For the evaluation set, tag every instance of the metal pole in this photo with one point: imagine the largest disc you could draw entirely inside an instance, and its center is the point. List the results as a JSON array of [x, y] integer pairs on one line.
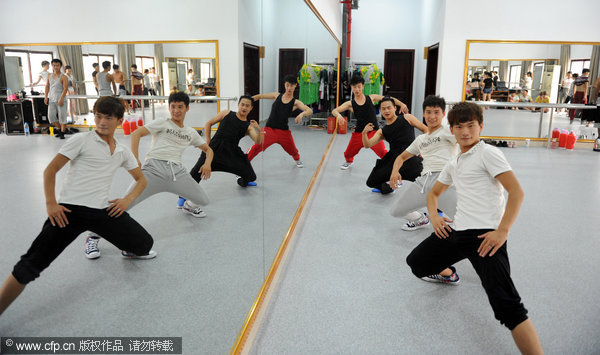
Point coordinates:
[[228, 105], [550, 128], [541, 120], [152, 111], [70, 109], [143, 111]]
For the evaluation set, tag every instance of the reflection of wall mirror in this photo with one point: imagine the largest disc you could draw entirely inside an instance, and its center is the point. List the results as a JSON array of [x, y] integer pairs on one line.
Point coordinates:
[[548, 62], [209, 271]]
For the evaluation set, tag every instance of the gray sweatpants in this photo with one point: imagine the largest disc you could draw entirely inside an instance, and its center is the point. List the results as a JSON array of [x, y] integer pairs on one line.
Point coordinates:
[[166, 176], [412, 196], [57, 113]]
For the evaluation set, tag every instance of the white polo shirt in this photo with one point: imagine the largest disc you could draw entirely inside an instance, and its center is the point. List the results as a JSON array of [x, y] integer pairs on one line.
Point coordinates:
[[91, 169], [169, 140], [435, 148], [480, 196]]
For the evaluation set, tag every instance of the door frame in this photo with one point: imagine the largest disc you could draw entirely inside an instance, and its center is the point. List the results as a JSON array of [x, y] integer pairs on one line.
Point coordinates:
[[412, 72]]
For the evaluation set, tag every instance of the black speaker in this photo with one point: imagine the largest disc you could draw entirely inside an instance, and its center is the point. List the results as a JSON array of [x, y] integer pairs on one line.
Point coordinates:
[[28, 113], [13, 113], [40, 110]]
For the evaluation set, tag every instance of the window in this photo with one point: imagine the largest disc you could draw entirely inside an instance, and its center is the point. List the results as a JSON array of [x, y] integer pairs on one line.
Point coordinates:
[[514, 76], [31, 62], [204, 72], [144, 63], [577, 65], [496, 69]]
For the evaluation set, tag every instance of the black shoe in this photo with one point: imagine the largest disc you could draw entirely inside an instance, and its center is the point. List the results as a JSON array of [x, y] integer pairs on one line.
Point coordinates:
[[242, 182], [385, 189]]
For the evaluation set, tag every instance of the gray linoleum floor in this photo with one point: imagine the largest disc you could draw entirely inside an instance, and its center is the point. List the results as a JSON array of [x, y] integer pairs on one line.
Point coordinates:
[[346, 288], [208, 270]]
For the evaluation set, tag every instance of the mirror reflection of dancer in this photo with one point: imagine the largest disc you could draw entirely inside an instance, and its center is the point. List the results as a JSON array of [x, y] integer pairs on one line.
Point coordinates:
[[83, 202], [362, 106], [399, 133], [57, 87], [228, 156], [277, 129], [481, 226], [163, 168], [436, 147]]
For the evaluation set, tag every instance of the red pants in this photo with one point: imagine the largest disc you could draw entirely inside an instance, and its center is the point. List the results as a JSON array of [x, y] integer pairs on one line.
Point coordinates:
[[272, 135], [356, 144], [578, 98], [137, 90]]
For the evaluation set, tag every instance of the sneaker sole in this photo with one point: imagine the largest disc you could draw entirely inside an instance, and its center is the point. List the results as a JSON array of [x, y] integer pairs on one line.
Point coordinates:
[[195, 215], [151, 255], [93, 255], [436, 281], [410, 229]]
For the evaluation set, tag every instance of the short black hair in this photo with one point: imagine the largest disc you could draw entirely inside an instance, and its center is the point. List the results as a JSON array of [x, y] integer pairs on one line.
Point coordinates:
[[292, 79], [106, 64], [45, 62], [464, 112], [115, 66], [134, 66], [387, 98], [110, 106], [247, 97], [146, 71], [357, 79], [94, 65], [575, 75], [68, 67], [434, 101], [586, 70], [56, 60], [179, 96]]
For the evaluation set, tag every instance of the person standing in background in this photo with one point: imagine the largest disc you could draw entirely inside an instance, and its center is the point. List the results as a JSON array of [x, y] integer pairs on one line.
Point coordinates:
[[43, 74]]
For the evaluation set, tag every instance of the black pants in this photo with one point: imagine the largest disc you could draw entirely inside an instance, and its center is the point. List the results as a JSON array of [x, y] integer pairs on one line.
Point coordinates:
[[237, 165], [434, 255], [124, 232], [380, 175]]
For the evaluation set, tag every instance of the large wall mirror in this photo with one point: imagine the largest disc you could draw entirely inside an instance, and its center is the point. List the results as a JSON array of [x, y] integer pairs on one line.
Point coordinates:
[[548, 63], [209, 270]]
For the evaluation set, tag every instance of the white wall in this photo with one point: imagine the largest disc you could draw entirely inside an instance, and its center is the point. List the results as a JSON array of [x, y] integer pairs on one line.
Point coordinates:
[[581, 51], [514, 51], [397, 24], [331, 12], [250, 31], [534, 21], [188, 50], [191, 20]]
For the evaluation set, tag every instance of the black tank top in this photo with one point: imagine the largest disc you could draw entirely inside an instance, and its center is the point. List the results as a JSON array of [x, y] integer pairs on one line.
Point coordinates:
[[364, 114], [280, 113], [399, 134], [231, 129]]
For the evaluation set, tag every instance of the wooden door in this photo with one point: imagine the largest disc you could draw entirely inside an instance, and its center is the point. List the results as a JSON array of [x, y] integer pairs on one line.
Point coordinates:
[[252, 76], [290, 62], [432, 65], [399, 73]]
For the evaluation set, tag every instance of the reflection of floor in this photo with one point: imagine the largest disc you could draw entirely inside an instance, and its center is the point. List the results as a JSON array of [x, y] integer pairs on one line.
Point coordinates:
[[520, 123], [207, 272], [347, 288], [197, 116]]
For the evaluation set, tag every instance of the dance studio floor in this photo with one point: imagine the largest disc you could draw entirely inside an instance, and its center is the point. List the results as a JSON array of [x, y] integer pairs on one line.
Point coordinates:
[[346, 287]]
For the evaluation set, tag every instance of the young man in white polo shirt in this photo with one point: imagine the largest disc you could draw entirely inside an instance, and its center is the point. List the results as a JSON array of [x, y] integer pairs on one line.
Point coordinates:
[[437, 146], [163, 168], [83, 203], [480, 227]]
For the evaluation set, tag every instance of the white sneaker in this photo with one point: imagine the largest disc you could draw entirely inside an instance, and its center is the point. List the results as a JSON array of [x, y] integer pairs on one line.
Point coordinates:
[[91, 246], [194, 211], [418, 224], [345, 166], [151, 255], [299, 163]]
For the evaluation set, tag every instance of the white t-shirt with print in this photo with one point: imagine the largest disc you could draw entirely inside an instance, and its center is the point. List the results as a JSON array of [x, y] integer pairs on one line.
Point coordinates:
[[91, 169], [480, 196], [436, 148], [169, 140]]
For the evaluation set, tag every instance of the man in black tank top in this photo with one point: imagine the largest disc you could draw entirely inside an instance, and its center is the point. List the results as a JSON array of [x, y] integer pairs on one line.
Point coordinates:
[[364, 110], [277, 129], [228, 156], [399, 132]]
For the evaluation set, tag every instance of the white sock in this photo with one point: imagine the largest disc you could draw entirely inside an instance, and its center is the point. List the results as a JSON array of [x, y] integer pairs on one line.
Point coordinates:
[[413, 216]]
